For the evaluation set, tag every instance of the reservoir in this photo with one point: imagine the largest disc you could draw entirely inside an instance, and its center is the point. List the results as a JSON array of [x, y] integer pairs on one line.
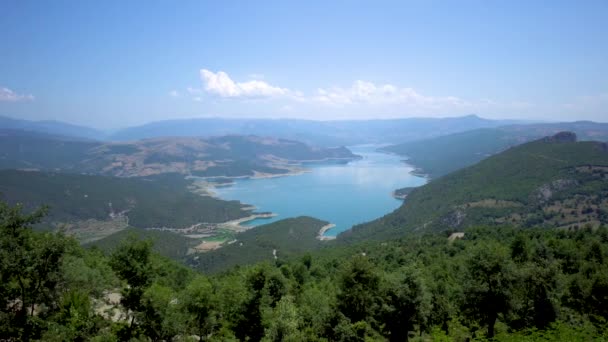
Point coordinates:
[[342, 194]]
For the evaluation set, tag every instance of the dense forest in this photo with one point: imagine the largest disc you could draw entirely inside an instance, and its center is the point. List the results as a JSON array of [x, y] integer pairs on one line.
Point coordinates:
[[156, 201], [552, 182], [509, 284], [441, 155]]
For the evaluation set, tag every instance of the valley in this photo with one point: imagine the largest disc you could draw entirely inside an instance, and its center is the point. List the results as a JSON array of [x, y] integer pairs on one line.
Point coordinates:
[[233, 206]]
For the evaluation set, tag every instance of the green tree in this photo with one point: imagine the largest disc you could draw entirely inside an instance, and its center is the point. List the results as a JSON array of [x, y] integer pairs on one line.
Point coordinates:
[[198, 301], [131, 262], [30, 272], [283, 322], [158, 317], [359, 284], [488, 285], [405, 304]]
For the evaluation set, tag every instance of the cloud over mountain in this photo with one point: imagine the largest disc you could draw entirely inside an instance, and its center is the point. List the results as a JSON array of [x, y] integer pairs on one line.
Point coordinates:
[[220, 84]]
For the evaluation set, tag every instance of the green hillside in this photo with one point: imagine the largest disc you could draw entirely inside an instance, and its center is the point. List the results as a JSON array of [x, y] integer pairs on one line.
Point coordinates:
[[33, 150], [553, 181], [492, 284], [171, 245], [146, 202], [441, 155], [285, 237]]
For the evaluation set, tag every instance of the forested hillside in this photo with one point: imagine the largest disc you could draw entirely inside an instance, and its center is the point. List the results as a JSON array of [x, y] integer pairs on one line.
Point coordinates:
[[83, 203], [267, 242], [554, 181], [439, 156], [504, 283]]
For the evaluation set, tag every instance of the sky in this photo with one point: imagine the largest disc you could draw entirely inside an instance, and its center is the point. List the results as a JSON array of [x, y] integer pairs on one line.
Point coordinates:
[[112, 64]]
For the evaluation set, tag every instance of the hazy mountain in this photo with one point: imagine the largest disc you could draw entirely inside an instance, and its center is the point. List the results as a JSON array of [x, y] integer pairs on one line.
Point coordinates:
[[552, 181], [326, 133], [52, 127], [229, 156], [442, 155]]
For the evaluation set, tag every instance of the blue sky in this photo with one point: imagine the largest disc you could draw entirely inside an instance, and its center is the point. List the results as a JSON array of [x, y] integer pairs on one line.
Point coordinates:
[[111, 64]]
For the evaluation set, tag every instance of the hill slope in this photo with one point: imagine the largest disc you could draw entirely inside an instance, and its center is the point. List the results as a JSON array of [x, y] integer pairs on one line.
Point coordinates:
[[552, 181], [228, 156], [92, 203], [264, 243], [439, 156], [51, 127]]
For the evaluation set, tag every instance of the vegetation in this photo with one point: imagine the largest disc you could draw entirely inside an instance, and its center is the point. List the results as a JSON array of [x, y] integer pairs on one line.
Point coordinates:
[[29, 150], [509, 284], [168, 244], [152, 202], [441, 155], [267, 242], [553, 181]]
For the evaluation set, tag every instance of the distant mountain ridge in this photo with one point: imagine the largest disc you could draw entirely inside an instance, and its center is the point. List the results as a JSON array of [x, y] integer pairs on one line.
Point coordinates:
[[551, 181], [324, 133], [442, 155], [228, 156], [52, 127]]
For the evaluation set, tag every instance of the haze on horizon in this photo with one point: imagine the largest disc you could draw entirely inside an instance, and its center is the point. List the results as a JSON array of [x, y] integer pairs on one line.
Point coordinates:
[[113, 64]]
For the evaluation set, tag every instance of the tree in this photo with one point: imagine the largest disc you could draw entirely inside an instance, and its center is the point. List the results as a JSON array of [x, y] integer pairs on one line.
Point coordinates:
[[131, 262], [30, 272], [489, 280], [519, 248], [405, 304], [197, 300], [249, 325], [158, 316], [283, 322], [358, 290]]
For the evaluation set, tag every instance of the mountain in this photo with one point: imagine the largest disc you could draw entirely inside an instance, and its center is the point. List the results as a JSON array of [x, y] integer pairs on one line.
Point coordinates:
[[228, 156], [92, 207], [34, 150], [554, 181], [322, 133], [441, 155], [51, 127]]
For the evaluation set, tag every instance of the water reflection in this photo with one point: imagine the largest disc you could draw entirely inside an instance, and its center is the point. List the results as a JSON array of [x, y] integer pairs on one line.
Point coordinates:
[[343, 194]]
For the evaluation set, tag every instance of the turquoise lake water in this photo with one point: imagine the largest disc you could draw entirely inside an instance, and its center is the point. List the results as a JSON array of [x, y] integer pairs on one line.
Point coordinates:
[[342, 194]]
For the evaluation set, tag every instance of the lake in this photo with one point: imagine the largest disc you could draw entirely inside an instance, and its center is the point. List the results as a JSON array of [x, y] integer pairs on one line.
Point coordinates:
[[342, 194]]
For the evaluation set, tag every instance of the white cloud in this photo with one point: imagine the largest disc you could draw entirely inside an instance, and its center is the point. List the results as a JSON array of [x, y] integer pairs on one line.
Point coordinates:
[[221, 84], [174, 93], [364, 99], [363, 92], [7, 95]]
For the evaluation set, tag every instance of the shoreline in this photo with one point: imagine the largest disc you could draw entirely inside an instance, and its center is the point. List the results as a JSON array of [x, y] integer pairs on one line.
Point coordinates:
[[321, 236], [236, 224], [399, 197]]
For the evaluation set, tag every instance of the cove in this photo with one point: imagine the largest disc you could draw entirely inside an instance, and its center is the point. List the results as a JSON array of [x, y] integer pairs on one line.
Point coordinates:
[[342, 194]]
